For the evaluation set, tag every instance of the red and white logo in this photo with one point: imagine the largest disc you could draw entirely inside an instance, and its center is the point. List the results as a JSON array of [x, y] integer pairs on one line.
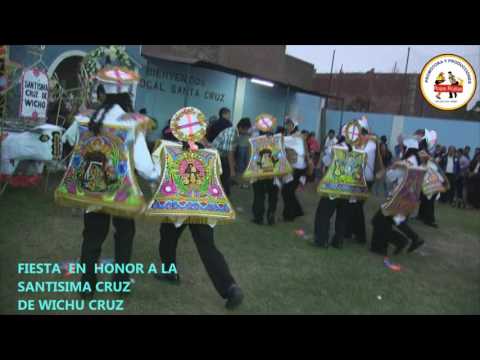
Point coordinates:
[[448, 82]]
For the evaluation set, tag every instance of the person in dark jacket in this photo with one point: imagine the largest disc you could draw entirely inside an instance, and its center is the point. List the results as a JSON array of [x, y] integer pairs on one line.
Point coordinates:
[[451, 167], [219, 125]]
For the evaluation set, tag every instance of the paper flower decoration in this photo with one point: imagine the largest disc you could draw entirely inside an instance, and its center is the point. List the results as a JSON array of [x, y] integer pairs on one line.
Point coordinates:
[[169, 188]]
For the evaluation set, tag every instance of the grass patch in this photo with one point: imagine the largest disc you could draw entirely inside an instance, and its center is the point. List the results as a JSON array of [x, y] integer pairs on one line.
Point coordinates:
[[279, 272]]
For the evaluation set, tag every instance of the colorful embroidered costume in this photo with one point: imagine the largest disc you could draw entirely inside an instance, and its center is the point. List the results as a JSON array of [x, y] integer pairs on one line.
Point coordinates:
[[101, 173], [189, 190], [345, 178], [434, 181], [390, 222], [267, 152], [298, 157], [190, 195], [343, 182], [406, 196], [296, 151]]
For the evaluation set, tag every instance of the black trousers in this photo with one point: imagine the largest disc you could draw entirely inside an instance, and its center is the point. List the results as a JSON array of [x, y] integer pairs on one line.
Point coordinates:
[[212, 259], [355, 223], [225, 177], [385, 231], [326, 208], [96, 226], [450, 193], [291, 206], [426, 210], [261, 189], [459, 187]]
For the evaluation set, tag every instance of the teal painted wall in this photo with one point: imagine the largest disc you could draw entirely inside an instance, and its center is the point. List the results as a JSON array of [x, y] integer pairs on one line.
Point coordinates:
[[259, 98], [168, 86], [380, 124], [165, 87], [306, 109], [450, 132]]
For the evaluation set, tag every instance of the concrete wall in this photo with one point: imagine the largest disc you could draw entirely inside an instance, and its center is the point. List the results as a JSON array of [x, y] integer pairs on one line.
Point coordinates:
[[260, 99], [52, 56], [52, 53], [450, 132], [167, 86], [264, 61], [381, 124], [306, 109], [383, 92]]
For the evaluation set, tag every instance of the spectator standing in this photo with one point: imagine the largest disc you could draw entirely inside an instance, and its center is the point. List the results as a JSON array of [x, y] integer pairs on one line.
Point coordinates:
[[225, 143], [243, 151], [473, 181], [450, 166], [217, 126], [314, 150]]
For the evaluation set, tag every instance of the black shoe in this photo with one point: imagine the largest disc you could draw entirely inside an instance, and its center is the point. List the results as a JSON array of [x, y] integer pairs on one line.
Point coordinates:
[[172, 278], [319, 245], [234, 297], [337, 244], [271, 219], [431, 224], [415, 245], [379, 252], [257, 221], [398, 249]]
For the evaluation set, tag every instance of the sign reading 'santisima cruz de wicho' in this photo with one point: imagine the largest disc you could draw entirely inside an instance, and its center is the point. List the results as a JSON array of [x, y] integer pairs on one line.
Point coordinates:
[[34, 94]]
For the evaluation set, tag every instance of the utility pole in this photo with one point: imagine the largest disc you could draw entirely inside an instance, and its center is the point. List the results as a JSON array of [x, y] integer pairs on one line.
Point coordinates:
[[405, 82], [323, 123], [331, 73]]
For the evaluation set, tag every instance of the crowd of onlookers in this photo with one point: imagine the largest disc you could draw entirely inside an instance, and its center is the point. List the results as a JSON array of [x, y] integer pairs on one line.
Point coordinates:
[[462, 170], [461, 167]]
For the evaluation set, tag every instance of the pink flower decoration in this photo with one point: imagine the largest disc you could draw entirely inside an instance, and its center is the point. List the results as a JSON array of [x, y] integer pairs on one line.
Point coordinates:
[[183, 167], [169, 188], [121, 196], [71, 188], [215, 190]]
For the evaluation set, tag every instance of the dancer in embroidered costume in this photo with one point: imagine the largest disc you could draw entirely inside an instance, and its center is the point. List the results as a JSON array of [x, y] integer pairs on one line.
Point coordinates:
[[268, 161], [190, 192], [390, 222], [109, 144]]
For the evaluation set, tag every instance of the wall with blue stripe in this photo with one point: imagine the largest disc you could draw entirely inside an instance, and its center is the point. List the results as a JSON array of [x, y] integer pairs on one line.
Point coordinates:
[[307, 110], [458, 133]]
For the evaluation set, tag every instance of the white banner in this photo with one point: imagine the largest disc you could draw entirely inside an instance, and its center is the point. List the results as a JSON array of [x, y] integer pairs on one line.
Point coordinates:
[[34, 94]]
